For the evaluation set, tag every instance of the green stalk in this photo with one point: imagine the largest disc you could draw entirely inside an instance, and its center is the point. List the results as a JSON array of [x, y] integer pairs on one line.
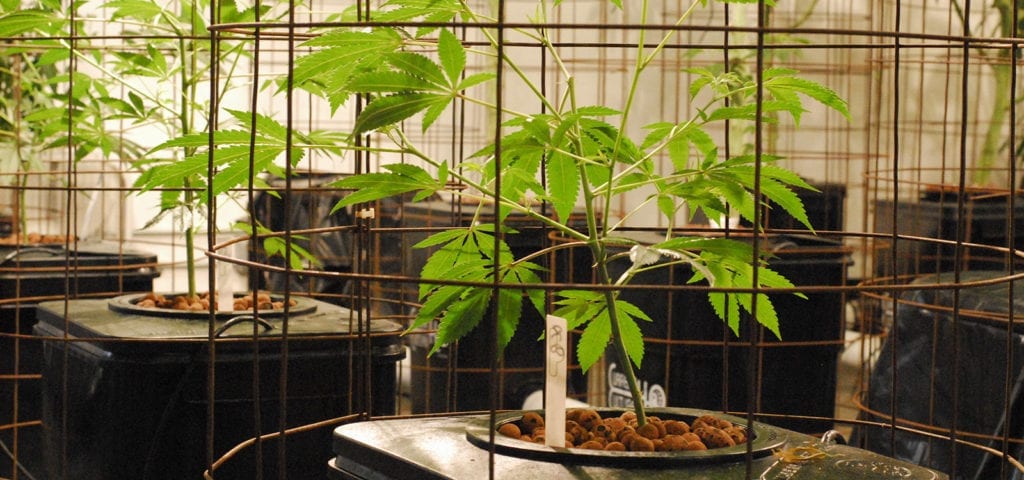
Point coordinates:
[[1001, 99], [190, 254], [620, 348], [596, 246]]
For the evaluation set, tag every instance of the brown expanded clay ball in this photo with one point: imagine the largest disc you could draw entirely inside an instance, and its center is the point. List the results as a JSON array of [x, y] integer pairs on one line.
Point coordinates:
[[36, 237], [710, 420], [263, 301], [530, 422], [510, 430], [640, 444], [675, 427], [714, 437], [615, 447], [693, 442], [738, 434], [621, 434]]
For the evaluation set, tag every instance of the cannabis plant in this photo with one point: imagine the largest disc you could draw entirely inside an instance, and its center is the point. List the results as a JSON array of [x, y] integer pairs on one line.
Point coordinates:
[[171, 45], [47, 107], [406, 70]]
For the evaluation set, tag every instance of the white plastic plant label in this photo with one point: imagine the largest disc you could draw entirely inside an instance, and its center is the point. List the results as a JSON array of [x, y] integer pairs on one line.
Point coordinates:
[[556, 345]]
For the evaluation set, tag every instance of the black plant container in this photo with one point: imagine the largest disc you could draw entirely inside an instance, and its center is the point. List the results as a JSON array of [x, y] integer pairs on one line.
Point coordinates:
[[937, 216], [458, 448], [29, 274], [130, 391]]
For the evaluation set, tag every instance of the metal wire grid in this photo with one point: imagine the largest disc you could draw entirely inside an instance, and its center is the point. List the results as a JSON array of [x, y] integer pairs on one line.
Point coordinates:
[[851, 42]]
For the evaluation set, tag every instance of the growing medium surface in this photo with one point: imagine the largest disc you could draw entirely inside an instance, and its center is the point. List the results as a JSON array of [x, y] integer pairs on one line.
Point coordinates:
[[587, 429]]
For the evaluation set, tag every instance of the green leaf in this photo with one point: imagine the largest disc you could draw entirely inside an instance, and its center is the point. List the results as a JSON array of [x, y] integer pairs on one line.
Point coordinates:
[[474, 80], [430, 11], [142, 10], [442, 237], [564, 187], [579, 306], [419, 66], [452, 55], [782, 196], [172, 174], [368, 187], [388, 82], [723, 247], [340, 53], [810, 88], [386, 111], [593, 341], [597, 111], [437, 298], [461, 317], [510, 310], [20, 22], [632, 338], [236, 173]]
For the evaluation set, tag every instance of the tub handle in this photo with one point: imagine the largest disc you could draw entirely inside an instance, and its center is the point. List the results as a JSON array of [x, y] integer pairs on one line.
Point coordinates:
[[241, 319], [18, 252]]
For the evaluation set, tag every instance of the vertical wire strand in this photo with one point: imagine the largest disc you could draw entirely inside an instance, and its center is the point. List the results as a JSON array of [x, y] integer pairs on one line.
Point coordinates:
[[289, 225], [894, 239], [959, 231], [753, 385], [70, 152], [726, 332], [211, 372], [1011, 241], [493, 341], [255, 389]]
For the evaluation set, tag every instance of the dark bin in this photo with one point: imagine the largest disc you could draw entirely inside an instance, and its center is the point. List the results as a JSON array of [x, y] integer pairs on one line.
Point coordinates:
[[692, 359], [940, 365], [309, 206], [458, 377], [138, 409], [935, 216], [824, 208], [29, 274]]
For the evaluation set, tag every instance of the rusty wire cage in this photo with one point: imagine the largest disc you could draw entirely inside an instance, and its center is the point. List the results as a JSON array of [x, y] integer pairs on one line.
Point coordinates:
[[905, 343]]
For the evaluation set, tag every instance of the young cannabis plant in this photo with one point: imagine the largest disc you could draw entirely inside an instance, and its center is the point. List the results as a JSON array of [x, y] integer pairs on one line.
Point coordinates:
[[571, 156]]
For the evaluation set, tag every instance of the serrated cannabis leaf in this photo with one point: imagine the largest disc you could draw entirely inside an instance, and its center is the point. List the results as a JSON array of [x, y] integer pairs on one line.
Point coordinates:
[[452, 55], [386, 111], [400, 179]]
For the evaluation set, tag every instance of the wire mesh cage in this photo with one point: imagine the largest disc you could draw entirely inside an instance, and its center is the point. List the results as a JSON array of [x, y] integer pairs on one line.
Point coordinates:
[[797, 216]]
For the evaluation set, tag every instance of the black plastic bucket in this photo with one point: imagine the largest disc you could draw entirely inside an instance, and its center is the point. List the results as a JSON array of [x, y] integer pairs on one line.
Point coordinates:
[[137, 390], [28, 274]]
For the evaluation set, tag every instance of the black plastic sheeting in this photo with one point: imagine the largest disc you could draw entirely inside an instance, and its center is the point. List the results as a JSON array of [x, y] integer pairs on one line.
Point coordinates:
[[950, 371]]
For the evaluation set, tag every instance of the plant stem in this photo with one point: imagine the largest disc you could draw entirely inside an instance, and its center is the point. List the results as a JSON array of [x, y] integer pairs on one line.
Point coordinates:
[[190, 255], [994, 133], [601, 256]]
